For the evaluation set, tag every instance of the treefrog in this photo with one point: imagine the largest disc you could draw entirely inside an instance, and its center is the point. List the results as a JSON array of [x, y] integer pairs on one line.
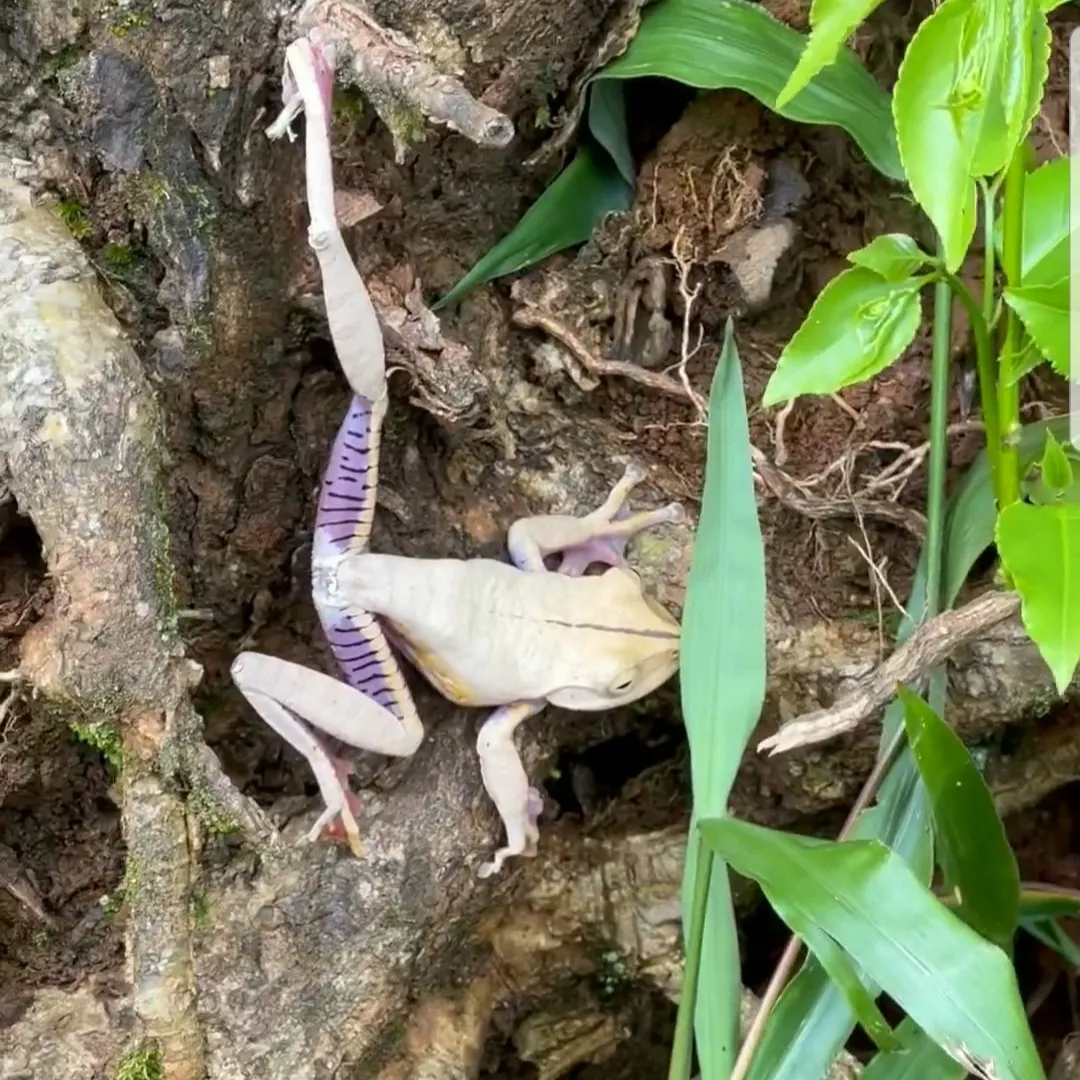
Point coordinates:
[[516, 635]]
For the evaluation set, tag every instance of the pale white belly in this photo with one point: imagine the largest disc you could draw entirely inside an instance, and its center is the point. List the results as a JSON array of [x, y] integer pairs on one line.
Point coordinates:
[[482, 631]]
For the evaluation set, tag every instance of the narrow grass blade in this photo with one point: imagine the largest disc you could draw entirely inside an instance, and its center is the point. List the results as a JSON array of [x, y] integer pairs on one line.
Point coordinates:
[[958, 987], [979, 864], [589, 188], [722, 677], [1052, 936], [732, 44]]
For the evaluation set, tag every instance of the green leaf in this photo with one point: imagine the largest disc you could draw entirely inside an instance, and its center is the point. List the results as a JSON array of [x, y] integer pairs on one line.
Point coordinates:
[[894, 256], [1049, 932], [732, 44], [975, 855], [832, 22], [961, 106], [1056, 471], [858, 325], [1043, 904], [1045, 256], [589, 188], [607, 122], [1040, 549], [921, 1058], [1013, 366], [812, 1021], [1044, 311], [722, 681], [842, 972], [958, 987]]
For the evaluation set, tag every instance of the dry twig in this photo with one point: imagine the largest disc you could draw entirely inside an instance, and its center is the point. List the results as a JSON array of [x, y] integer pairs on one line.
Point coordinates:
[[930, 645], [395, 75]]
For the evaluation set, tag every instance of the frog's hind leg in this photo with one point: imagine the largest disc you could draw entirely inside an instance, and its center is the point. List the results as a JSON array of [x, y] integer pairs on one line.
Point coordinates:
[[599, 536]]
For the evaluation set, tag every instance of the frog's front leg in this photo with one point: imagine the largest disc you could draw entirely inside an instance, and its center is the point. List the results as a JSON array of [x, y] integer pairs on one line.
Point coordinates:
[[519, 804], [599, 536]]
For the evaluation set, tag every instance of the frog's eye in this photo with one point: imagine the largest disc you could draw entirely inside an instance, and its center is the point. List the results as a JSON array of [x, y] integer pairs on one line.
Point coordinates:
[[623, 683]]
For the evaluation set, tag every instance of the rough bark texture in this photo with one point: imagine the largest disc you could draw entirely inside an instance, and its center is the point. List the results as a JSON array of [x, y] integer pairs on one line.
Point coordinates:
[[167, 399]]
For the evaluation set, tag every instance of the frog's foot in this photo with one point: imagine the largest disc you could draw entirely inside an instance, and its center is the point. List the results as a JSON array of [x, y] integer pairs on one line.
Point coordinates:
[[519, 805], [600, 536], [337, 823]]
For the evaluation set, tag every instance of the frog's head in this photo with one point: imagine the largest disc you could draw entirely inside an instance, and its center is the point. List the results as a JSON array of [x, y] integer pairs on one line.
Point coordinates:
[[625, 665]]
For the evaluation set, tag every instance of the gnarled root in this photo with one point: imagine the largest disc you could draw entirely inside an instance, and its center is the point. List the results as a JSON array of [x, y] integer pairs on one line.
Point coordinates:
[[80, 437]]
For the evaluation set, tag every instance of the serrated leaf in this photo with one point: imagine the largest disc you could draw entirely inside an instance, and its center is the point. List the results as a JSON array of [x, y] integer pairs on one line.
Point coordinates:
[[1040, 549], [1044, 311], [894, 256], [735, 45], [1056, 471], [832, 22], [858, 325], [722, 679], [958, 987], [1013, 366], [961, 105], [1045, 256], [975, 855], [576, 201]]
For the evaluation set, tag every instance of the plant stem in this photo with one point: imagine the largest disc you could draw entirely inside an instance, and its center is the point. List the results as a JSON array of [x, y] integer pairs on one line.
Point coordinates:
[[984, 358], [683, 1044], [1008, 390], [939, 444]]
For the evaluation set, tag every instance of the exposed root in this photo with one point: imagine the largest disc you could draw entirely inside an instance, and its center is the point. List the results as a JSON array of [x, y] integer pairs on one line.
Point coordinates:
[[930, 645], [397, 78], [792, 494], [532, 318], [81, 435]]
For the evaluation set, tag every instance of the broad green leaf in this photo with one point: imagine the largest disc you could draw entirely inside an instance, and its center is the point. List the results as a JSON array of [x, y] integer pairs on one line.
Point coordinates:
[[1013, 366], [858, 325], [722, 680], [962, 104], [920, 1059], [894, 256], [841, 971], [937, 157], [589, 188], [958, 987], [735, 45], [1044, 311], [832, 22], [1045, 257], [1040, 41], [1040, 549], [975, 855], [607, 122], [1055, 468], [811, 1021]]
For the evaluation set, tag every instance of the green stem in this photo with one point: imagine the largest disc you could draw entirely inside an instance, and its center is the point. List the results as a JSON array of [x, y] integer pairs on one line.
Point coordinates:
[[939, 444], [984, 358], [683, 1045], [989, 197], [1008, 391]]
